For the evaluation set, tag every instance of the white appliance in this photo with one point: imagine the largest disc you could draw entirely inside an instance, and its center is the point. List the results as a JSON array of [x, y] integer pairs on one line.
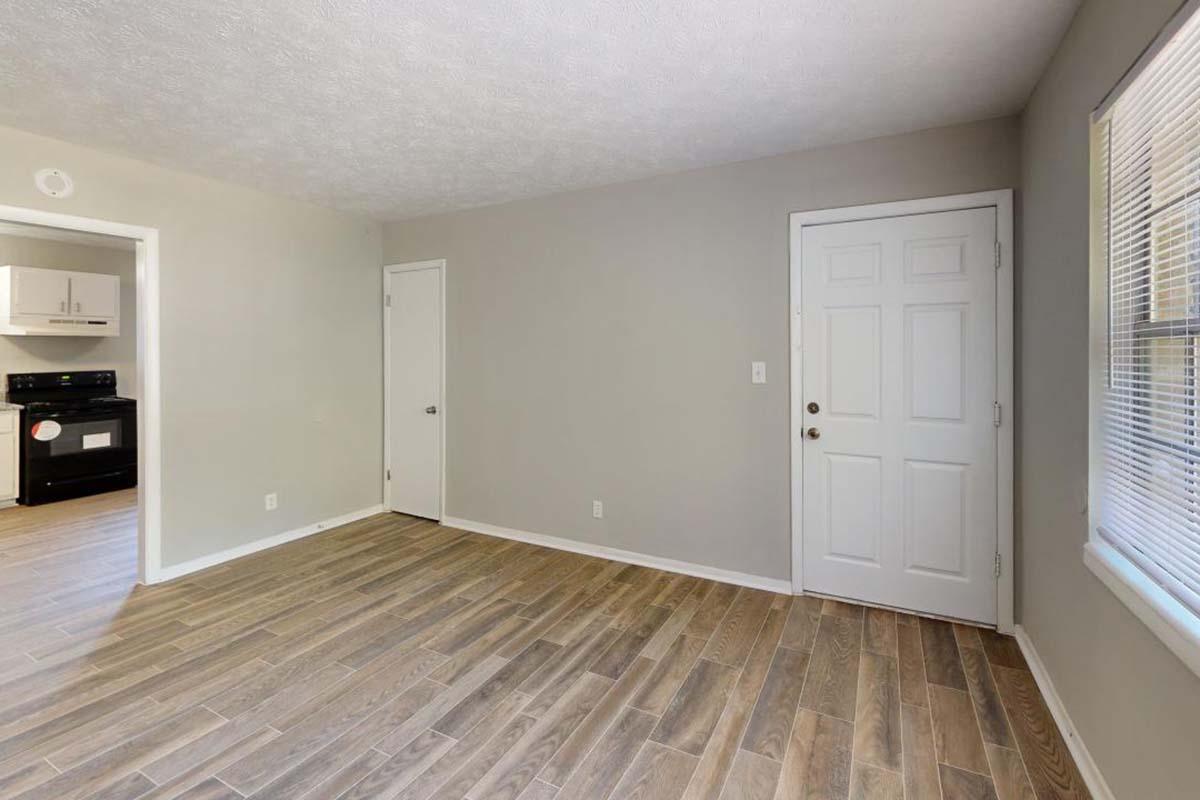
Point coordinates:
[[56, 302]]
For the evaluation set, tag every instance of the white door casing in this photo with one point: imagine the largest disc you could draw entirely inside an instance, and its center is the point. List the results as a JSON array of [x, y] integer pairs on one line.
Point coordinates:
[[898, 336], [413, 346]]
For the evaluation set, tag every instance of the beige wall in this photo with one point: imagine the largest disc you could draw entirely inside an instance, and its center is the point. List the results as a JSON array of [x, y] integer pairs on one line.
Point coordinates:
[[47, 353], [1136, 705], [599, 343], [271, 343]]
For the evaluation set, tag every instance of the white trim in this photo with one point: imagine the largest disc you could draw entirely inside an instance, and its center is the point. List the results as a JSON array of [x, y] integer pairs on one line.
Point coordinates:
[[1002, 201], [1170, 620], [149, 380], [214, 559], [624, 556], [1148, 55], [1083, 759], [413, 266]]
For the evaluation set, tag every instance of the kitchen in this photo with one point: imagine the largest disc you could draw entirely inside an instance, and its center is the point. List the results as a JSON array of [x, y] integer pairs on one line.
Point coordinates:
[[68, 365]]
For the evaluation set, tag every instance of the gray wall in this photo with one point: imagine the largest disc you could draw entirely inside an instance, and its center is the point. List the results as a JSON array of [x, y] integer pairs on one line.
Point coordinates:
[[271, 342], [45, 353], [599, 343], [1136, 705]]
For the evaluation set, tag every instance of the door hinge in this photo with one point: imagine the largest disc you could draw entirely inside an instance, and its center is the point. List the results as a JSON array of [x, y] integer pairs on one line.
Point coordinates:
[[387, 301], [997, 255], [389, 474], [996, 414], [997, 565]]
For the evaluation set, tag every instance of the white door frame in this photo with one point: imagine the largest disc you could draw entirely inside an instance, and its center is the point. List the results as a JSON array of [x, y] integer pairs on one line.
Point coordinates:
[[440, 265], [1002, 201], [149, 377]]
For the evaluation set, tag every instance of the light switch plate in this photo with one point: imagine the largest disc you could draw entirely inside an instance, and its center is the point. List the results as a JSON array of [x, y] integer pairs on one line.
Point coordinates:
[[758, 372]]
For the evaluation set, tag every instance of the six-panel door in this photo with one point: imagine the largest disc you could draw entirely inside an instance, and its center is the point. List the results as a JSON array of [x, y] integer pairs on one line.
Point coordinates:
[[899, 354]]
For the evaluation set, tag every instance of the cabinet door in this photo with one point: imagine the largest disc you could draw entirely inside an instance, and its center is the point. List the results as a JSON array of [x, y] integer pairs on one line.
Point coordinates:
[[8, 465], [95, 295], [40, 291]]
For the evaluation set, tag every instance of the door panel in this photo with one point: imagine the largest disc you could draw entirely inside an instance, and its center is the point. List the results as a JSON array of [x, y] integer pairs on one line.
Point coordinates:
[[414, 330], [854, 505], [899, 353], [852, 361], [96, 296], [42, 292]]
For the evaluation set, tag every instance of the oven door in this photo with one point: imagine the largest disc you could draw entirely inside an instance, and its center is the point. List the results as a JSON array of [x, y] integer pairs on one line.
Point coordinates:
[[78, 452]]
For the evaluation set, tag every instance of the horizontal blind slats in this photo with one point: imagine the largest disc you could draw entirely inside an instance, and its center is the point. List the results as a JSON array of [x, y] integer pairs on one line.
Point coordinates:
[[1151, 432]]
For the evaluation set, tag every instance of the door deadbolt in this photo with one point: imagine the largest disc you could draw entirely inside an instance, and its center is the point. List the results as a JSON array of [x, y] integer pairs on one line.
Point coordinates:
[[813, 433], [813, 408]]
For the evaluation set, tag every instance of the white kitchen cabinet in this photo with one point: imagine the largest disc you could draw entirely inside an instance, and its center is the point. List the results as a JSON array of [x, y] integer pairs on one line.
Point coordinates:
[[95, 296], [55, 302], [40, 291], [9, 453]]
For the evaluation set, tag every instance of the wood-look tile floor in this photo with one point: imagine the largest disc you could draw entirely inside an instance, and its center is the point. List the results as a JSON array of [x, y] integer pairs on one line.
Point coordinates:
[[394, 658]]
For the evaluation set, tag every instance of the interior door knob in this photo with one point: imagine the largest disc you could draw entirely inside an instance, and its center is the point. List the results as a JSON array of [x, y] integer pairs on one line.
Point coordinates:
[[431, 409], [813, 433]]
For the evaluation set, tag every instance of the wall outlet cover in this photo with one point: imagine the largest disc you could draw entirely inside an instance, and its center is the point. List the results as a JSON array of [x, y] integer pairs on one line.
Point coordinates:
[[597, 509], [271, 501]]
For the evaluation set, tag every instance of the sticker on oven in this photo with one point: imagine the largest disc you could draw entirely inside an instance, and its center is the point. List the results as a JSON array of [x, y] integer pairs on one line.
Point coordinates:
[[46, 431]]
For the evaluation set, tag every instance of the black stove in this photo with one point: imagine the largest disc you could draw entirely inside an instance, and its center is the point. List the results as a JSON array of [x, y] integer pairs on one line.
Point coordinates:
[[77, 436]]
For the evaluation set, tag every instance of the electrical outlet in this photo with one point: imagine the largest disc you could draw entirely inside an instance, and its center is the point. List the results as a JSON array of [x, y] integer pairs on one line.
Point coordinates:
[[758, 372], [597, 509], [271, 501]]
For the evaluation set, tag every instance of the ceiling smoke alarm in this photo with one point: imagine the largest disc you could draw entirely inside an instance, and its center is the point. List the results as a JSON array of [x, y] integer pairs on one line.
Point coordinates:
[[54, 183]]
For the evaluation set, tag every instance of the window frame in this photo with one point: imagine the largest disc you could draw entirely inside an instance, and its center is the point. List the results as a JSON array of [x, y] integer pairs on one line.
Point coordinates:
[[1173, 622]]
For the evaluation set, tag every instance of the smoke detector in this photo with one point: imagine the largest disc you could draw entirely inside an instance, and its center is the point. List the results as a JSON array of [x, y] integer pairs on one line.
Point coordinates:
[[54, 183]]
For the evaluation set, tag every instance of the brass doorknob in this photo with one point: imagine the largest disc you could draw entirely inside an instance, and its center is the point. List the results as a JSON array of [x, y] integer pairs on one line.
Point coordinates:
[[813, 433]]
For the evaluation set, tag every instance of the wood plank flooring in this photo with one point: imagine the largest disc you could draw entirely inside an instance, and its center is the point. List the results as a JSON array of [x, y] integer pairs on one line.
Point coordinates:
[[395, 658]]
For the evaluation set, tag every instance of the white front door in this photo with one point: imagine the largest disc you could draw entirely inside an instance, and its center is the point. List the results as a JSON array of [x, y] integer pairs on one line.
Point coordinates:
[[898, 391], [413, 324]]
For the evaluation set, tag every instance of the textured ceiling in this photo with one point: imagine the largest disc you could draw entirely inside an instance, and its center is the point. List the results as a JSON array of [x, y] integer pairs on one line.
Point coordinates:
[[401, 108]]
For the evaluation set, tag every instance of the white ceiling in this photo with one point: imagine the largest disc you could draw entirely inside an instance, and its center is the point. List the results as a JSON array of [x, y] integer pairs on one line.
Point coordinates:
[[400, 108]]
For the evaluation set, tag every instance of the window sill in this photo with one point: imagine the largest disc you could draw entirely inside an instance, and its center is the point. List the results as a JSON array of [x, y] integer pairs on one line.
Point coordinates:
[[1170, 620]]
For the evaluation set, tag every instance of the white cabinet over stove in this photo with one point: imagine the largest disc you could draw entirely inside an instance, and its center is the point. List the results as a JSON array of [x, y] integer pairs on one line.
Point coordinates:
[[56, 302]]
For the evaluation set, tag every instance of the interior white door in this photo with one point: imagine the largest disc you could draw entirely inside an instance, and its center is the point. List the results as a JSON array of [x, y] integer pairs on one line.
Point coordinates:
[[414, 375], [41, 292], [96, 296], [899, 358]]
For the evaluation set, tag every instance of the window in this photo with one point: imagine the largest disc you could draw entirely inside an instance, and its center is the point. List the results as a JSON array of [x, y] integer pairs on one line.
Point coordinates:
[[1146, 395]]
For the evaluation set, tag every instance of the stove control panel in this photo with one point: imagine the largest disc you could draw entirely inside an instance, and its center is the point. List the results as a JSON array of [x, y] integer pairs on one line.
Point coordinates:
[[62, 380]]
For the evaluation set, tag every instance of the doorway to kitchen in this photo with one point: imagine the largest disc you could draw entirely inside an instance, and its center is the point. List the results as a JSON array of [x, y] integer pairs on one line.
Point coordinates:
[[75, 385]]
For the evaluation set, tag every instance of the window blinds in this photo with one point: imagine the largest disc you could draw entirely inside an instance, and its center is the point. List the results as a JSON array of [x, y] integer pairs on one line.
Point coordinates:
[[1149, 151]]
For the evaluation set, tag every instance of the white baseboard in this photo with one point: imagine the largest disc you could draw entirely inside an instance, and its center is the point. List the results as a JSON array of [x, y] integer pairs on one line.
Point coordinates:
[[204, 562], [624, 556], [1083, 759]]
